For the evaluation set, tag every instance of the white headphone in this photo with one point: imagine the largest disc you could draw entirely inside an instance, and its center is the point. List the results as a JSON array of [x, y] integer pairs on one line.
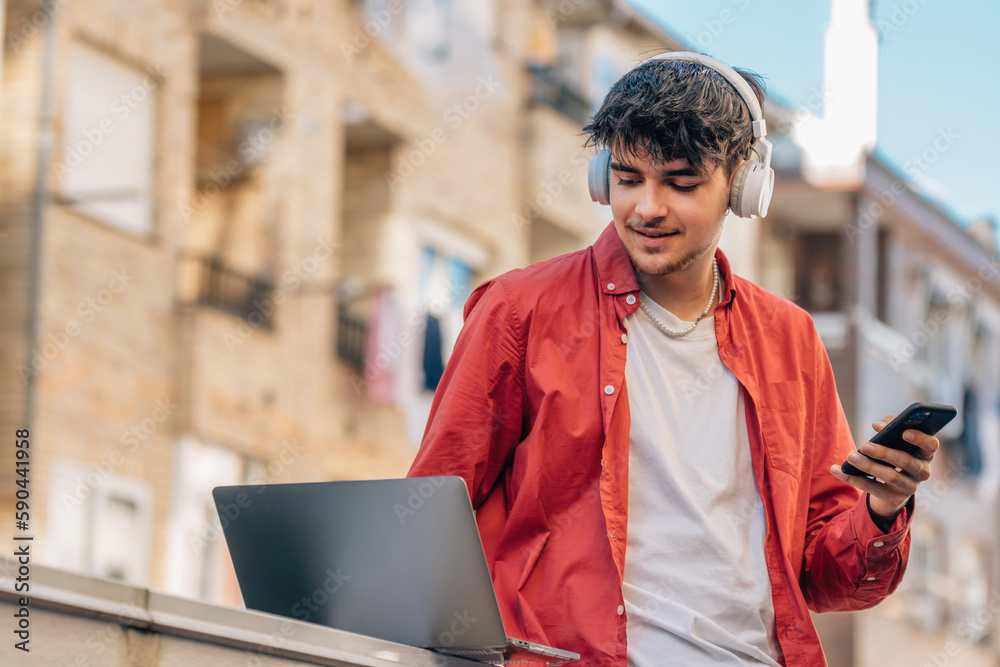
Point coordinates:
[[754, 180]]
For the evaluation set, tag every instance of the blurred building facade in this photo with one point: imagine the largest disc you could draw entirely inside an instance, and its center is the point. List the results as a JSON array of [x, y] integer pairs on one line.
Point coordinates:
[[236, 199], [237, 237]]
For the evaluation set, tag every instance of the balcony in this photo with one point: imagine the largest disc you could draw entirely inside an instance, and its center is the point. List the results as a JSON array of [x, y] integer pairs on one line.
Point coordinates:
[[549, 89], [221, 287], [556, 209]]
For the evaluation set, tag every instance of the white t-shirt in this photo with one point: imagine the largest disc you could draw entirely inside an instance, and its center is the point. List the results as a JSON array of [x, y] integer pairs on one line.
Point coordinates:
[[696, 585]]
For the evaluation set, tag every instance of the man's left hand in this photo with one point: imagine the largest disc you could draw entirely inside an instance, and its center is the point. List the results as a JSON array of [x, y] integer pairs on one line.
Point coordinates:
[[899, 479]]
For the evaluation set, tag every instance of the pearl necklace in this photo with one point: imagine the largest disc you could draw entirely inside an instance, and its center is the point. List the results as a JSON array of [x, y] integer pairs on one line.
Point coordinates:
[[685, 332]]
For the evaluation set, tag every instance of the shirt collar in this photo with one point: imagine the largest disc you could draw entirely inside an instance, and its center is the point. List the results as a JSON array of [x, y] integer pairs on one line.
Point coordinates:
[[617, 275]]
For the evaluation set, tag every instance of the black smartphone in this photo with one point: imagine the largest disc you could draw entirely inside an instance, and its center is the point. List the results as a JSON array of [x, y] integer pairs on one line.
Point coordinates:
[[926, 417]]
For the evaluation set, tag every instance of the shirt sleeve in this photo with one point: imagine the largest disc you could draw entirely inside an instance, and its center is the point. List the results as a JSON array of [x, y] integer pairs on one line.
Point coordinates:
[[477, 415], [849, 563]]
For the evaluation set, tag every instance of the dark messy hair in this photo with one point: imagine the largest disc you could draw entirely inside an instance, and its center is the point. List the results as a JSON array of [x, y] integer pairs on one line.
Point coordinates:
[[673, 109]]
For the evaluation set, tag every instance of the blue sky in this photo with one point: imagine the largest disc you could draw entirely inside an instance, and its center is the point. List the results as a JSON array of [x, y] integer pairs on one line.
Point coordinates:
[[938, 68]]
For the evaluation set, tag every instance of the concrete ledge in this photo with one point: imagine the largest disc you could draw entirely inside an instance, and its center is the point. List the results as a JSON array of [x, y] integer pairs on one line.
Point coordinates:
[[249, 633]]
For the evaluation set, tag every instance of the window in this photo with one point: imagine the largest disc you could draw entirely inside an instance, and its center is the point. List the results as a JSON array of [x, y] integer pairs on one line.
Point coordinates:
[[925, 582], [105, 170], [433, 303], [198, 564], [114, 553], [444, 288], [603, 74], [442, 39], [935, 352], [817, 272], [429, 28], [384, 19], [884, 277], [973, 617], [99, 524]]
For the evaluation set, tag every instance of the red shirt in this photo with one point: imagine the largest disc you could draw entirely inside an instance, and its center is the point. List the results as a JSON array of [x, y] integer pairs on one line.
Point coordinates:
[[532, 412]]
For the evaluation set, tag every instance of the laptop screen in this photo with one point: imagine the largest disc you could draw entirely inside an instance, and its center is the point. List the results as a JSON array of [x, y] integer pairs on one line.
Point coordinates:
[[396, 559]]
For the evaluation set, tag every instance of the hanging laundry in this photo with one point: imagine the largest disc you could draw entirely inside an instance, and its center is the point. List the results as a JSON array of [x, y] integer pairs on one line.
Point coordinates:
[[380, 364], [433, 354]]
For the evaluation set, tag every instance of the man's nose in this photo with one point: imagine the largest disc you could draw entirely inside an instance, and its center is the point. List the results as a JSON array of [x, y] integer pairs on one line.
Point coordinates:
[[652, 204]]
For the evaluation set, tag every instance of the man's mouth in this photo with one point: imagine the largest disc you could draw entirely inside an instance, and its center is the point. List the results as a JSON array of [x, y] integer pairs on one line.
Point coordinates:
[[654, 234]]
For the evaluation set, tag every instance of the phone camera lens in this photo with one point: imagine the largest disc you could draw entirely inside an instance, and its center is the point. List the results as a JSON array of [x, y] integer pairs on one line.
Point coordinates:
[[917, 418]]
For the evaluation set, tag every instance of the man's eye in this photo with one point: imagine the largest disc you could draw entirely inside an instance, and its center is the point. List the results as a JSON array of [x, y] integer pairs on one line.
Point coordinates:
[[623, 181], [684, 188]]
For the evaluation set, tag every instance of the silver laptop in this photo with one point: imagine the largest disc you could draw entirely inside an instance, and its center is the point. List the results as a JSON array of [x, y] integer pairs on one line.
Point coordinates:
[[397, 559]]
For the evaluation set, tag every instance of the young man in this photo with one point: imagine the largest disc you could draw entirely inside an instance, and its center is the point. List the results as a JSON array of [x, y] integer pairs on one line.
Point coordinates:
[[652, 443]]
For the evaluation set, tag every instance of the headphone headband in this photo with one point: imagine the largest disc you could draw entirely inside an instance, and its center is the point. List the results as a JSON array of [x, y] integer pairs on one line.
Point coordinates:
[[730, 75]]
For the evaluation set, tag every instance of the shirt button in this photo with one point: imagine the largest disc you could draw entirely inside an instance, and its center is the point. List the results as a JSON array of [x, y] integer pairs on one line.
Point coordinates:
[[621, 610], [609, 390], [630, 299], [871, 578], [624, 338], [611, 286], [878, 544]]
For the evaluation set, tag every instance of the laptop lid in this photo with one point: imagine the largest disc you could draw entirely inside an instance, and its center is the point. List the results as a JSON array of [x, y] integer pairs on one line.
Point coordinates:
[[396, 559]]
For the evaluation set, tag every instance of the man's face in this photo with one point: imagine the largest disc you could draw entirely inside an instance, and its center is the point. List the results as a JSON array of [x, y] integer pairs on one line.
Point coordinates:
[[668, 216]]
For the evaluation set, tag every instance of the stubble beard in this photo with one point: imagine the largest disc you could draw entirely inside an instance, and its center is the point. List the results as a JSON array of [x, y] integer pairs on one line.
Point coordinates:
[[680, 264]]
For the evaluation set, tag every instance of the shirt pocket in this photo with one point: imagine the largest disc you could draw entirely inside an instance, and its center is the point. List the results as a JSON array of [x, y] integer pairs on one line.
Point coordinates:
[[783, 421]]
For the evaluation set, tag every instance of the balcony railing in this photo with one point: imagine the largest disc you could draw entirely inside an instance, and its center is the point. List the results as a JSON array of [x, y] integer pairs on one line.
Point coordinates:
[[553, 91], [224, 288], [352, 333]]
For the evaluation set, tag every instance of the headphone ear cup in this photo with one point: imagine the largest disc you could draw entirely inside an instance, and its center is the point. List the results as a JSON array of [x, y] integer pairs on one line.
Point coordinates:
[[599, 177], [750, 194], [737, 190]]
